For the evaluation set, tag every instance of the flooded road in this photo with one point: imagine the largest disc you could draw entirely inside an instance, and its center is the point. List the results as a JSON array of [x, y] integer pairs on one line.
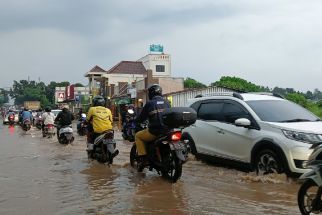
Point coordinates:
[[40, 176]]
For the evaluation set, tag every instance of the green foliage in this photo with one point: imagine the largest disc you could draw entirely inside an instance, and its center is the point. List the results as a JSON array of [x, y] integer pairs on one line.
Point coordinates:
[[78, 85], [298, 98], [35, 91], [192, 83], [4, 98], [239, 84]]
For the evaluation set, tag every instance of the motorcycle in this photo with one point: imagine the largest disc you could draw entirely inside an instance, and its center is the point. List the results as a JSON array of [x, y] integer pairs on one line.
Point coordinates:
[[310, 192], [129, 127], [168, 152], [82, 126], [104, 148], [39, 122], [11, 119], [49, 131], [65, 135], [26, 125]]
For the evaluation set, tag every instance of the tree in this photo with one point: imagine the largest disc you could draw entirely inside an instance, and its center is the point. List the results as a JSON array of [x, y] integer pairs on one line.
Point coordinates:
[[192, 83], [4, 98], [298, 98], [78, 85], [238, 84], [29, 90]]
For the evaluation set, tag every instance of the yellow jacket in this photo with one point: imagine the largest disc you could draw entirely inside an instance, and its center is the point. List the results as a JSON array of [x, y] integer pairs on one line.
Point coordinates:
[[101, 118]]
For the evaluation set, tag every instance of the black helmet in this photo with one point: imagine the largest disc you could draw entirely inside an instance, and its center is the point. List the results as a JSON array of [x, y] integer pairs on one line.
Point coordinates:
[[48, 109], [154, 90], [98, 101]]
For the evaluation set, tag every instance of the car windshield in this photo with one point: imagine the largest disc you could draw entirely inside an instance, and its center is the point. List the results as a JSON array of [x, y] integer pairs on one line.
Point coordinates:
[[281, 111]]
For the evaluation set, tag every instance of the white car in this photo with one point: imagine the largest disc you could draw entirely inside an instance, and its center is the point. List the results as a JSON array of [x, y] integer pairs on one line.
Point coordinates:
[[265, 132]]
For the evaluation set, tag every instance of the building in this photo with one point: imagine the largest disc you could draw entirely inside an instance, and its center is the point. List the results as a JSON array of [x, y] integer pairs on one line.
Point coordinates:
[[160, 64]]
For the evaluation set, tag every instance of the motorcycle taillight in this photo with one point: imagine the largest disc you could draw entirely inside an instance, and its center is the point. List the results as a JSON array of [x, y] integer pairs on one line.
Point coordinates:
[[176, 136]]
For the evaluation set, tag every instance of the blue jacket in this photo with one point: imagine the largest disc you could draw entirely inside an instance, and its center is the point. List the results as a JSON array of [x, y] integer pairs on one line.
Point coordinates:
[[26, 115], [152, 111]]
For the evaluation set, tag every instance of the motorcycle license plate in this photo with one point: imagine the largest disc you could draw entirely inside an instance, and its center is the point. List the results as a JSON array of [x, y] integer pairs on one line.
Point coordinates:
[[177, 146], [108, 141]]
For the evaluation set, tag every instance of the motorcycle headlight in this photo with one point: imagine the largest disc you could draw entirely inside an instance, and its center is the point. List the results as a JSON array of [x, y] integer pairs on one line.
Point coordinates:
[[303, 137]]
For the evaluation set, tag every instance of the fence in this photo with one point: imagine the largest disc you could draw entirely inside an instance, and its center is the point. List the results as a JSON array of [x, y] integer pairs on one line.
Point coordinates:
[[181, 98]]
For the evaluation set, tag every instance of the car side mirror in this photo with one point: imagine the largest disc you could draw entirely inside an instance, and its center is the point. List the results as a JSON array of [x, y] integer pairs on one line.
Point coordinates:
[[243, 122]]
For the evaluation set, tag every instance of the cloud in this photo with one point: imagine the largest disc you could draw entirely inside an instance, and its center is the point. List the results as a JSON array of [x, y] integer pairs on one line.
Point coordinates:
[[272, 43]]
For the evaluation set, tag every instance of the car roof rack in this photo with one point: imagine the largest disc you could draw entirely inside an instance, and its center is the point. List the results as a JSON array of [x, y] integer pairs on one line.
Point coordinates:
[[234, 94], [268, 94]]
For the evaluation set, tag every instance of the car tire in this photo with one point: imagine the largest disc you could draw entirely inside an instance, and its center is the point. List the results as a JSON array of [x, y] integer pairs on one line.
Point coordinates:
[[191, 144], [267, 161]]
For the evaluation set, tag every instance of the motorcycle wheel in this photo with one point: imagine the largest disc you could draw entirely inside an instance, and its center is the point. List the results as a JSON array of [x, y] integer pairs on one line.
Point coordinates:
[[173, 167], [306, 195], [133, 157]]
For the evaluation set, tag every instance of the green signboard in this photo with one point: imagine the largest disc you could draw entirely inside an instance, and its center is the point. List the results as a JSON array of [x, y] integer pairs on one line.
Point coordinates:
[[156, 48]]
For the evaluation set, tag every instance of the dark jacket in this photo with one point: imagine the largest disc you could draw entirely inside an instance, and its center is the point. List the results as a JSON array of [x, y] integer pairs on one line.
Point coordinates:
[[64, 117], [152, 111]]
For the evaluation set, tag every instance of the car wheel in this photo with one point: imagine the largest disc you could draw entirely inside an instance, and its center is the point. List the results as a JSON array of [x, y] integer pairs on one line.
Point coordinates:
[[190, 145], [268, 162]]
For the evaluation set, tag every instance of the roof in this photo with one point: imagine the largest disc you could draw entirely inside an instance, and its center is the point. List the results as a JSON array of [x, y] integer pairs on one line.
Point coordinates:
[[128, 67], [234, 96], [95, 69]]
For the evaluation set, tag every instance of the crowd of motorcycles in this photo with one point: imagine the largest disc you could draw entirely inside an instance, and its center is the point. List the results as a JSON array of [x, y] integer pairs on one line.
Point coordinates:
[[169, 152]]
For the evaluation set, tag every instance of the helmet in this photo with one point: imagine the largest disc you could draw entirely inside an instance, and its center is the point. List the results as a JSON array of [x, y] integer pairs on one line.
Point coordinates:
[[154, 90], [98, 101], [48, 109]]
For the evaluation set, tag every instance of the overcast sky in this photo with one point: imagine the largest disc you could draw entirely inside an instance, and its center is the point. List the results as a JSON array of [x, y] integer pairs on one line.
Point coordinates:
[[268, 42]]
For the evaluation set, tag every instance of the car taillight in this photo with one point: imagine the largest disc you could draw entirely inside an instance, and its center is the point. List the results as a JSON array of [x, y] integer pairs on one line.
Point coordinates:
[[176, 136]]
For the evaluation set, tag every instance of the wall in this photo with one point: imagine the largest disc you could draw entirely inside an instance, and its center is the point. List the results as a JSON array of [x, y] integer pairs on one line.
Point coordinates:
[[129, 78], [171, 84], [151, 60]]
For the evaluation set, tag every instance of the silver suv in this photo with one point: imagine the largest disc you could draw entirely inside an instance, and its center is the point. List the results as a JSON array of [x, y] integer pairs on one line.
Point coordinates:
[[263, 131]]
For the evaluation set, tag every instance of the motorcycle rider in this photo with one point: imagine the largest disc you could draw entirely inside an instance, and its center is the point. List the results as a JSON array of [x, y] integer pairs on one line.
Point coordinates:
[[48, 118], [64, 118], [99, 119], [152, 111], [26, 115]]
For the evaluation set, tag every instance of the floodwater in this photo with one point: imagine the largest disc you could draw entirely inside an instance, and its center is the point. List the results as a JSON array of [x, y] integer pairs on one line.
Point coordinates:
[[40, 176]]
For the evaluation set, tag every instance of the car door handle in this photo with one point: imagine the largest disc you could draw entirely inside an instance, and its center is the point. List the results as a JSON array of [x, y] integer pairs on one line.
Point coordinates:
[[221, 132]]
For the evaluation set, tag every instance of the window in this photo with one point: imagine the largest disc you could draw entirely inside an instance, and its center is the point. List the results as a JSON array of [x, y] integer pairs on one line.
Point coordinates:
[[231, 112], [211, 111], [160, 68]]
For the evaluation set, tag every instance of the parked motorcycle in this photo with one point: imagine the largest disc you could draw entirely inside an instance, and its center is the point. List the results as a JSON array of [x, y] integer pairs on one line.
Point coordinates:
[[168, 152], [65, 135], [26, 125], [310, 192], [82, 126], [129, 127], [49, 131], [104, 148]]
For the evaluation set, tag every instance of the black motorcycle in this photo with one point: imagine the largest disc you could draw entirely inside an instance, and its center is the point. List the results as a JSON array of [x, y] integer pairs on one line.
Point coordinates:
[[168, 152], [82, 125], [129, 127], [26, 125], [104, 148]]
